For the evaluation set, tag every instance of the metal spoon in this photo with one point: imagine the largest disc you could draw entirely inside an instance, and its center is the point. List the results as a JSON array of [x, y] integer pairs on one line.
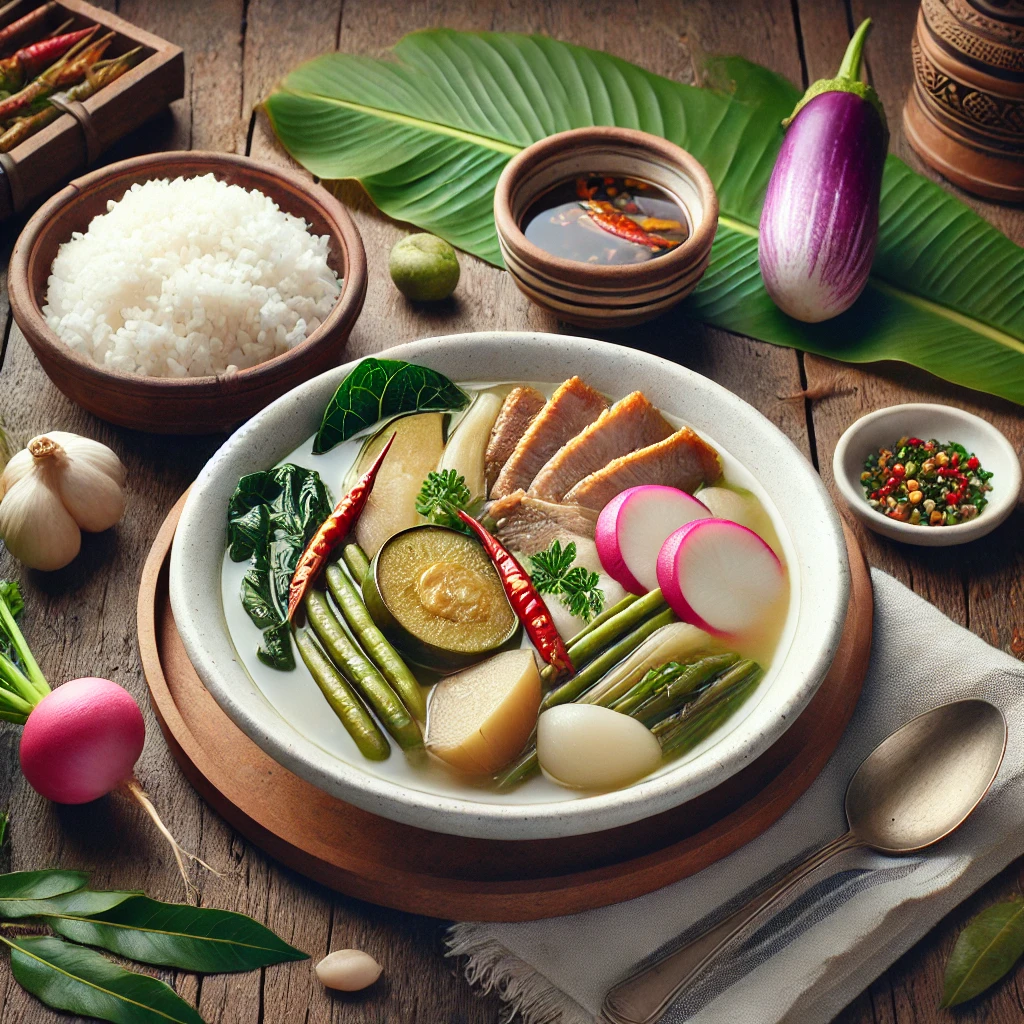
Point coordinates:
[[912, 790]]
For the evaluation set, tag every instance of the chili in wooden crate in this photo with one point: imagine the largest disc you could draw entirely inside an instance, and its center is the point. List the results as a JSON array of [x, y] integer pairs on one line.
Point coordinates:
[[90, 116]]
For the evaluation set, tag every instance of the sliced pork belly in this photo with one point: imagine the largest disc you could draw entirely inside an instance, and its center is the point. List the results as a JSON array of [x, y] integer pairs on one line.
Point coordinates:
[[682, 460], [518, 411], [529, 525], [630, 424], [573, 406]]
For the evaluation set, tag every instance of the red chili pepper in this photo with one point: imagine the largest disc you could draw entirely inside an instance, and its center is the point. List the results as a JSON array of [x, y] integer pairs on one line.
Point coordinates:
[[583, 190], [528, 605], [621, 226], [915, 442], [955, 460], [13, 33], [30, 60], [334, 529]]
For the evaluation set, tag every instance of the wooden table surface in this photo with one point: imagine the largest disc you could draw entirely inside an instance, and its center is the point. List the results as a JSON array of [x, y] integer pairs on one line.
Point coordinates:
[[81, 620]]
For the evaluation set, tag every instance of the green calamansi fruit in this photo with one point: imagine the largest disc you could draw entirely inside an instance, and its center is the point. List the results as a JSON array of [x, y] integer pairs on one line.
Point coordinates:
[[424, 268]]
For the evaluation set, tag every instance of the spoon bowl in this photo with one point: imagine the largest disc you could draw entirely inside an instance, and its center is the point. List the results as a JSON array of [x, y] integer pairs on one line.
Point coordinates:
[[922, 782]]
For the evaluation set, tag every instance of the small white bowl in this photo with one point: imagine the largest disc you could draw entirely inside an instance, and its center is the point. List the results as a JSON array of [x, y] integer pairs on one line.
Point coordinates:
[[920, 419]]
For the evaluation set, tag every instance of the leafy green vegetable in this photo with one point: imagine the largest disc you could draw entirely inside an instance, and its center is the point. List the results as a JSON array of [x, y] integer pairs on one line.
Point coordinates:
[[442, 492], [428, 128], [77, 980], [175, 935], [378, 389], [553, 573], [272, 516], [985, 951]]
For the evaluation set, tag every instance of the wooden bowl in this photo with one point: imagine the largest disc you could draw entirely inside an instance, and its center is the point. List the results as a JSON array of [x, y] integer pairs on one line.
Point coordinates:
[[192, 405], [605, 296]]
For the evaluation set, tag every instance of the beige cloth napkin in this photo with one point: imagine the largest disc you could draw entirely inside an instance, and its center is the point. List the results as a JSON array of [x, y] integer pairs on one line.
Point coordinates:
[[858, 917]]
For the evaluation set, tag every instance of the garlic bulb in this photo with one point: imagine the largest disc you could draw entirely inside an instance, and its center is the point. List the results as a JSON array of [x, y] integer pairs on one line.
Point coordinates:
[[58, 486]]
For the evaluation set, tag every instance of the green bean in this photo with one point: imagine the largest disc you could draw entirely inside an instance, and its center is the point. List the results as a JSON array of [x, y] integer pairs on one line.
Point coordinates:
[[657, 705], [373, 641], [683, 730], [343, 699], [356, 560], [520, 769], [601, 619], [588, 676], [355, 666], [591, 644]]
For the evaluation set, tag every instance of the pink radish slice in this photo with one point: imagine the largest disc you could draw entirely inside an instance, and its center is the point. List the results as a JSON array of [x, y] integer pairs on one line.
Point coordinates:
[[634, 525], [82, 741], [720, 576]]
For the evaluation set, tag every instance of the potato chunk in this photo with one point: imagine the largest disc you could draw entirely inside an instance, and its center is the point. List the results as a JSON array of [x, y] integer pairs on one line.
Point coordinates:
[[481, 718]]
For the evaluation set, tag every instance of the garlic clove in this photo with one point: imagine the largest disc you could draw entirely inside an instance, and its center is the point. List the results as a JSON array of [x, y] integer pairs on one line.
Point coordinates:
[[348, 970], [95, 501], [36, 527]]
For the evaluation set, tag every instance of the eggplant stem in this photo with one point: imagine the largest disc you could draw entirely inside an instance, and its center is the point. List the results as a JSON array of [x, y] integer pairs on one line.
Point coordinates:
[[134, 789], [850, 68]]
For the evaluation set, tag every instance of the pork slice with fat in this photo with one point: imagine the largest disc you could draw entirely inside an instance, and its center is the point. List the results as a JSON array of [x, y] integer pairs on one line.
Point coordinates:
[[630, 424], [573, 406], [517, 412], [683, 460]]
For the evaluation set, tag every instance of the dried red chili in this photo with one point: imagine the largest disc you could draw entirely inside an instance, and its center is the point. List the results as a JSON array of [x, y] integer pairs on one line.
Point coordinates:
[[334, 529], [528, 605]]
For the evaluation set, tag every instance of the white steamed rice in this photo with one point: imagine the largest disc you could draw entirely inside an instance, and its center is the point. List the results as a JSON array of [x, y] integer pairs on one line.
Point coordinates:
[[188, 278]]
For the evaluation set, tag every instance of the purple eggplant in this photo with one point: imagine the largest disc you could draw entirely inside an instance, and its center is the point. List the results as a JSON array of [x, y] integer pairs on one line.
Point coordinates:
[[819, 224]]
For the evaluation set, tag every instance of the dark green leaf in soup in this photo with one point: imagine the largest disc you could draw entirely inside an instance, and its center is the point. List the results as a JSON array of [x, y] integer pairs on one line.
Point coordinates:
[[378, 389], [272, 516]]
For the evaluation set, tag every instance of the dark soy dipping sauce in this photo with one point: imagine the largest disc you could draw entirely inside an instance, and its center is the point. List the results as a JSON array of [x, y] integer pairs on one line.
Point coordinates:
[[606, 220]]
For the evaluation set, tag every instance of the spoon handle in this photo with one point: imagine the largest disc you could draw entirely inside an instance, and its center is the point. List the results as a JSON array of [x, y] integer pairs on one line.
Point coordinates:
[[644, 997]]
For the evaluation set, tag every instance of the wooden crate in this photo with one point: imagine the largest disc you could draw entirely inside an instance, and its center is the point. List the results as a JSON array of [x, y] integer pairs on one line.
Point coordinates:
[[50, 157]]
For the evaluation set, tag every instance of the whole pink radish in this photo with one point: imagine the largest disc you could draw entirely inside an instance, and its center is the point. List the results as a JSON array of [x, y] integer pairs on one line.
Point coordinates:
[[80, 741], [634, 525], [720, 576]]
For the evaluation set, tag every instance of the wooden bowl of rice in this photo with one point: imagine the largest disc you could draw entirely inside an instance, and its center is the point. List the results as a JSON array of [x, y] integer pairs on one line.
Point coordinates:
[[183, 404]]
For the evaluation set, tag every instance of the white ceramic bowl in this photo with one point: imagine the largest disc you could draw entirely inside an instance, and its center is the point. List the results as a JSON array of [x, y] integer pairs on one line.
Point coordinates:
[[808, 525], [944, 423]]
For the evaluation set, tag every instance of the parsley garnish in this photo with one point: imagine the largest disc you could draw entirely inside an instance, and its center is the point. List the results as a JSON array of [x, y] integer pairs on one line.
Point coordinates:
[[442, 492], [554, 573]]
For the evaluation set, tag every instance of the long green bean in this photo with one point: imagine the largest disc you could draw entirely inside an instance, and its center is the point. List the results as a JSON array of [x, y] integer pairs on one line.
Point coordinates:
[[588, 676], [343, 699], [359, 671], [591, 644], [684, 729], [658, 704], [356, 560], [373, 641], [600, 620]]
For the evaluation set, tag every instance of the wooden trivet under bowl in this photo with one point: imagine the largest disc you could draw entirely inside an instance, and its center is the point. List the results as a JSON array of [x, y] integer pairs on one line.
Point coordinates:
[[411, 869]]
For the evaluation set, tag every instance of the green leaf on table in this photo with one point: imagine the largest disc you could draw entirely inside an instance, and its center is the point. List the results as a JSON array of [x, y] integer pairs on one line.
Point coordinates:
[[984, 952], [272, 516], [379, 389], [428, 129], [81, 981], [83, 902], [20, 891], [176, 935]]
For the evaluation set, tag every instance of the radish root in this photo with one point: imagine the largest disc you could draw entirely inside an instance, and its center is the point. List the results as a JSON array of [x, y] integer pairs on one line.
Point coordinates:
[[134, 789]]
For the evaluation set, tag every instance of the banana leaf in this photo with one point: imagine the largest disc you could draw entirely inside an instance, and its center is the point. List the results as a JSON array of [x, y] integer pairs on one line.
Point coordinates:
[[428, 128]]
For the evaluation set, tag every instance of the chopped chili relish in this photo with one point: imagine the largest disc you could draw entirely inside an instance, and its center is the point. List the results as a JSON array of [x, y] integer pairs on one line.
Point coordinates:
[[925, 483]]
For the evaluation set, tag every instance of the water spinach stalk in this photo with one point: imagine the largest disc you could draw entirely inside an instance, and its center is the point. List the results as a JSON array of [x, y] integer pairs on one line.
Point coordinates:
[[81, 740], [819, 224]]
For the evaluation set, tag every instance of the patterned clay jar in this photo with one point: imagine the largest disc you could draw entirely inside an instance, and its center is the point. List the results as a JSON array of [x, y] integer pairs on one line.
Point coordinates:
[[965, 111]]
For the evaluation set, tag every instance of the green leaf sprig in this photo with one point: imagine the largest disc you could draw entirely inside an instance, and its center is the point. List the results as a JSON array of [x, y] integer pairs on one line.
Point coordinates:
[[553, 572], [442, 492], [69, 977], [985, 951]]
